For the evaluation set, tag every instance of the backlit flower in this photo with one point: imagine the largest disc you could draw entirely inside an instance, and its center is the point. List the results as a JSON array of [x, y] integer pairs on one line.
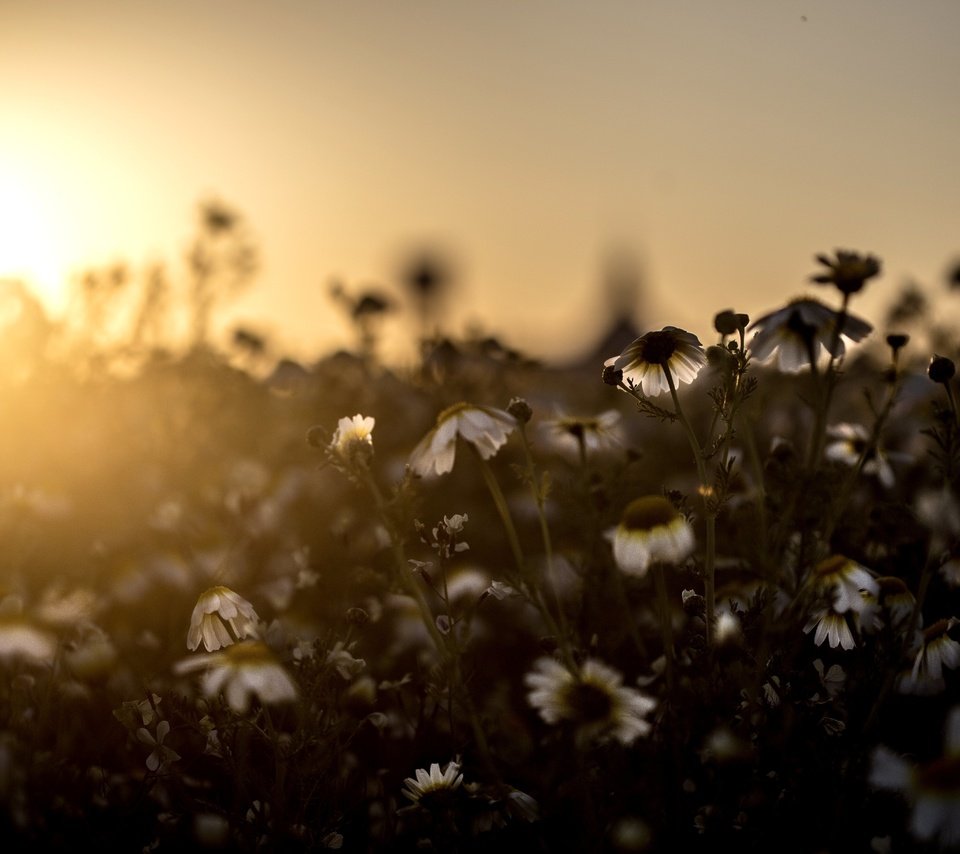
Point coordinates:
[[216, 609], [593, 699], [849, 271], [650, 530], [242, 671], [645, 361], [933, 788], [802, 328], [433, 788], [352, 439], [594, 434], [841, 580], [830, 626], [937, 651], [21, 640], [848, 443], [484, 427]]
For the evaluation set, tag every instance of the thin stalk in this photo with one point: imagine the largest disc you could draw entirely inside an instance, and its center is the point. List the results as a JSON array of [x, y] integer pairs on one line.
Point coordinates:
[[710, 519], [532, 590], [666, 627]]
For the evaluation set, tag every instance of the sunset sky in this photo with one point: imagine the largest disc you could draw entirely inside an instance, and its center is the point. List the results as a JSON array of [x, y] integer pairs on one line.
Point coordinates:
[[718, 144]]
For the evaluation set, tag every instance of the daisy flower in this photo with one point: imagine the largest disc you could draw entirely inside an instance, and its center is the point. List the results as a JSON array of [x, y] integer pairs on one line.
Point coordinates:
[[352, 439], [830, 626], [433, 788], [802, 327], [594, 434], [645, 361], [938, 650], [242, 671], [216, 609], [848, 442], [593, 699], [650, 529], [484, 427], [843, 579], [933, 788], [21, 640]]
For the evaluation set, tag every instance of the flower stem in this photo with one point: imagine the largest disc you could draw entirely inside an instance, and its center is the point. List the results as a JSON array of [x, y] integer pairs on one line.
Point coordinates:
[[709, 513], [666, 627]]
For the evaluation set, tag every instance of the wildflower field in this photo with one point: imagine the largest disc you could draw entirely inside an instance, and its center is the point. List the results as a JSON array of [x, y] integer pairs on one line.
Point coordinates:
[[692, 595]]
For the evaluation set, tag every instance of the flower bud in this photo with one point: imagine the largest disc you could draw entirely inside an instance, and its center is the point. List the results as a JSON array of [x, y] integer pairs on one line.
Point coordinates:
[[726, 322], [941, 369], [520, 410]]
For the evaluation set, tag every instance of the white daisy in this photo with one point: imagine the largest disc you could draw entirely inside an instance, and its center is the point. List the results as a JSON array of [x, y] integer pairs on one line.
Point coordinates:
[[242, 671], [484, 427], [842, 580], [650, 530], [801, 327], [353, 437], [593, 699], [433, 788], [933, 787], [830, 626], [645, 361], [848, 442], [216, 609]]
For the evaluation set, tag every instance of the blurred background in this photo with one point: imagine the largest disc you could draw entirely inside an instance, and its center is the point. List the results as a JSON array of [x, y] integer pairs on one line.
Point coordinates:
[[552, 162]]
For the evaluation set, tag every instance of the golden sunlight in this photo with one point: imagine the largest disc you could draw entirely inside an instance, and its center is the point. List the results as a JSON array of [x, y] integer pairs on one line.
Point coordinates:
[[30, 246]]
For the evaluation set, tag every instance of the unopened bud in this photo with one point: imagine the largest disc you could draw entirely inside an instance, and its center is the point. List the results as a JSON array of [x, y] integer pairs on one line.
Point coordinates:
[[520, 410], [941, 369]]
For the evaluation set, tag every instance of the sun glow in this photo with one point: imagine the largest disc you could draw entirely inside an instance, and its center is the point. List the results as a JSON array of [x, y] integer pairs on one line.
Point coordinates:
[[30, 245]]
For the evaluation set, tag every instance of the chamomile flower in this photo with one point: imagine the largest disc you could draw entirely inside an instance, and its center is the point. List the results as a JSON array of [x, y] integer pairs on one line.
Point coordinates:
[[434, 787], [352, 440], [802, 328], [22, 640], [848, 443], [484, 427], [650, 530], [830, 626], [593, 699], [645, 361], [594, 434], [932, 788], [243, 671], [217, 609], [841, 580], [937, 651]]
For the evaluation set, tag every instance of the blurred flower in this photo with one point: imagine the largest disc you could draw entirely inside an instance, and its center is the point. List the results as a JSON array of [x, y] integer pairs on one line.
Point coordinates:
[[895, 598], [20, 639], [161, 754], [346, 665], [352, 441], [932, 787], [91, 655], [938, 650], [484, 427], [433, 789], [595, 434], [801, 328], [849, 271], [207, 621], [849, 441], [593, 698], [650, 529], [242, 671], [645, 361], [841, 579]]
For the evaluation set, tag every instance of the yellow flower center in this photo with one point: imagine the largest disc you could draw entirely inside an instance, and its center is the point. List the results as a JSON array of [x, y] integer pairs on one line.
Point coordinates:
[[647, 513]]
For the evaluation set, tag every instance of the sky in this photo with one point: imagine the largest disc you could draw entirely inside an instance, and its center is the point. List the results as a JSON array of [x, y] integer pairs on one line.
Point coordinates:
[[715, 145]]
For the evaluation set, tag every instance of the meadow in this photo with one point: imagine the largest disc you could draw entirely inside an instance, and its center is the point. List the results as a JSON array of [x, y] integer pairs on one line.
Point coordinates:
[[690, 595]]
